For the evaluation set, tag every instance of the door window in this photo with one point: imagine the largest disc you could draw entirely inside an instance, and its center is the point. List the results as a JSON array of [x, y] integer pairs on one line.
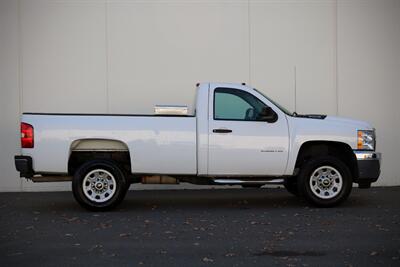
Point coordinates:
[[232, 104]]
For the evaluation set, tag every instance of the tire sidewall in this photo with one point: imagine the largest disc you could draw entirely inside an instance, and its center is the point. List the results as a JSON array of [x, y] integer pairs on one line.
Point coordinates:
[[108, 165], [305, 176]]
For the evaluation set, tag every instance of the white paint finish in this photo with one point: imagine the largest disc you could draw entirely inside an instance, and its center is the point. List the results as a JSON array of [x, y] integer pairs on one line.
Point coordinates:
[[167, 145], [246, 150], [202, 102], [369, 73], [159, 145], [173, 44], [9, 95], [334, 129], [289, 34], [367, 51], [63, 51]]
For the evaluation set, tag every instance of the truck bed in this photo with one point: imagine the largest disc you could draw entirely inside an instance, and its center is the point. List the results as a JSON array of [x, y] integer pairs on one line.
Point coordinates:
[[157, 144]]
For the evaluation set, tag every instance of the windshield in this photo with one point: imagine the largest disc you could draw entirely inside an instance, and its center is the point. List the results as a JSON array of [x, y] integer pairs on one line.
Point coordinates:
[[285, 110]]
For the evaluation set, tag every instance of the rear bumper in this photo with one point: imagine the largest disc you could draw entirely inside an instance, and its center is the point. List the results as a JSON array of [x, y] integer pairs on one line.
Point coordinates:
[[369, 167], [23, 164]]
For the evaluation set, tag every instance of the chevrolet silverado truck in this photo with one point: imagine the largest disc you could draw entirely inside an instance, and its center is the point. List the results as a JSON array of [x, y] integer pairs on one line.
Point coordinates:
[[235, 136]]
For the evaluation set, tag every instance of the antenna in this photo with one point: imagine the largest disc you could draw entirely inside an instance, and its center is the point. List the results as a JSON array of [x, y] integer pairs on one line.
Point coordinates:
[[295, 89]]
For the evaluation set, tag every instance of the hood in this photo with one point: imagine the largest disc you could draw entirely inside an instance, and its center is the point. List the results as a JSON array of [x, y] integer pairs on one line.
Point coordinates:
[[362, 125]]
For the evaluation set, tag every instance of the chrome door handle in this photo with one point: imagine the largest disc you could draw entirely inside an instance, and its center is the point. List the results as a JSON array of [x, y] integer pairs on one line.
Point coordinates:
[[222, 131]]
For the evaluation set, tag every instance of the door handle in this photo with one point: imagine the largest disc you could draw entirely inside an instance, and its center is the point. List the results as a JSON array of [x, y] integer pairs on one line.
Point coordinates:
[[222, 131]]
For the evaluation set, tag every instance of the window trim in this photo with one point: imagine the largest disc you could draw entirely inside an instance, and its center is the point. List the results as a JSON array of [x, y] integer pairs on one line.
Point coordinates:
[[229, 88]]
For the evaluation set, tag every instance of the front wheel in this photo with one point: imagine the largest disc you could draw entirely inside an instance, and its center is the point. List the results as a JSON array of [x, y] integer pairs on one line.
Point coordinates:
[[325, 181], [99, 185]]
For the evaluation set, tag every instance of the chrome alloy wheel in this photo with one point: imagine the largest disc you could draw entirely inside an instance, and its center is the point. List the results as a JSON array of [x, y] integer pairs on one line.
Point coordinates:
[[326, 182], [99, 185]]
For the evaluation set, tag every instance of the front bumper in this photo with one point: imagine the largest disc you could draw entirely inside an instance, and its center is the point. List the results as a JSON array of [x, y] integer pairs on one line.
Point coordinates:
[[23, 164], [369, 167]]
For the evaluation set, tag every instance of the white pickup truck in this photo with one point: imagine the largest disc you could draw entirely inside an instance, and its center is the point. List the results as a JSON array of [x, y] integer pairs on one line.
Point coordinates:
[[235, 136]]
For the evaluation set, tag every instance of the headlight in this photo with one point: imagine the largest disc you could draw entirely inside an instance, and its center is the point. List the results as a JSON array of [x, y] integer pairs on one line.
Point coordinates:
[[366, 139]]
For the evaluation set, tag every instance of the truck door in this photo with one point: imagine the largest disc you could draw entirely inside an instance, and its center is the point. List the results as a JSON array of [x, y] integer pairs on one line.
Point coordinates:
[[243, 139]]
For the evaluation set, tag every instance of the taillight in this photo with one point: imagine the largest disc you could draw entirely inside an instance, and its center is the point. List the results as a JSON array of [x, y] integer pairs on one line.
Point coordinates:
[[27, 140]]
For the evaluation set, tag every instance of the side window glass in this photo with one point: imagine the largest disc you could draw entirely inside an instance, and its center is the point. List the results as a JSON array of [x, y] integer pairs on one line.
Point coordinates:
[[230, 107], [231, 104]]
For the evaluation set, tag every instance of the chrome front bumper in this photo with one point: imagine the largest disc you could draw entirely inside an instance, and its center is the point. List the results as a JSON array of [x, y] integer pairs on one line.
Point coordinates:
[[368, 155]]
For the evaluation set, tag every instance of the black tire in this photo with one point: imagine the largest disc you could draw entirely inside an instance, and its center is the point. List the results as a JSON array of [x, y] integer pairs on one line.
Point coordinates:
[[324, 198], [291, 185], [116, 184]]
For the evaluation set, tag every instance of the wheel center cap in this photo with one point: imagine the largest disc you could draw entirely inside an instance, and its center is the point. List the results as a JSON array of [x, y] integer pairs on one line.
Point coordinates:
[[99, 185], [326, 182]]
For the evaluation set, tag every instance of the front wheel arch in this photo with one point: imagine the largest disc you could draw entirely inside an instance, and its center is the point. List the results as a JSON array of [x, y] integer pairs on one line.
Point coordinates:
[[339, 150]]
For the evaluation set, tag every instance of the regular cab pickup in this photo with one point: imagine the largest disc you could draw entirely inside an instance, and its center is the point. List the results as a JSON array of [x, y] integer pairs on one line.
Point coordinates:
[[235, 136]]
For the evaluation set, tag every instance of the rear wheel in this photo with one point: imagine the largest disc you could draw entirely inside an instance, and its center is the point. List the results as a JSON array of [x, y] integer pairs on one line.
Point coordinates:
[[99, 185], [325, 181]]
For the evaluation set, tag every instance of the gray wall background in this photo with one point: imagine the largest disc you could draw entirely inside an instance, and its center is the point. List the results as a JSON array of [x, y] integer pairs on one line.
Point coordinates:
[[126, 56]]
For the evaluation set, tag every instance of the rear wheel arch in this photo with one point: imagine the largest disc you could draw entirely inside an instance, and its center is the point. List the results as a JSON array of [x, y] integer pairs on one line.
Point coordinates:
[[99, 144], [84, 150]]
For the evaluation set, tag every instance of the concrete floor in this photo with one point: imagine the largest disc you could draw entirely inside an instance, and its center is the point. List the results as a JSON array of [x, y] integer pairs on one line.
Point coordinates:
[[228, 227]]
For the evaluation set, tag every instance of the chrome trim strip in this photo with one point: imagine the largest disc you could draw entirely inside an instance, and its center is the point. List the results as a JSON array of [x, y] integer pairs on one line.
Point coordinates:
[[237, 181], [41, 179], [170, 110]]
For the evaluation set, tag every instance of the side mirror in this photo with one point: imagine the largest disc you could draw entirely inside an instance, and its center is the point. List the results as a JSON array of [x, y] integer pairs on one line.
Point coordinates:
[[268, 114]]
